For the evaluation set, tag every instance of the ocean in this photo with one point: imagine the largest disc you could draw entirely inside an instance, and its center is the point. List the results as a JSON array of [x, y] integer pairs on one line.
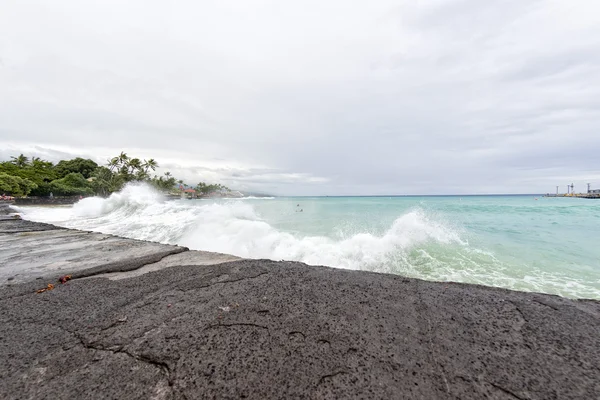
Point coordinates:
[[527, 243]]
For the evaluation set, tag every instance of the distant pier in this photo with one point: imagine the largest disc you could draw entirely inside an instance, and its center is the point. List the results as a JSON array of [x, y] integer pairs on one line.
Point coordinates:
[[578, 195], [590, 194]]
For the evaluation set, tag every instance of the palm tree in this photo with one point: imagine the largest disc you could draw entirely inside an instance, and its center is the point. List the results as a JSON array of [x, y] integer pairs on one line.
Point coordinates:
[[135, 164], [141, 175], [20, 161], [168, 174], [122, 159], [37, 162], [150, 164], [113, 163]]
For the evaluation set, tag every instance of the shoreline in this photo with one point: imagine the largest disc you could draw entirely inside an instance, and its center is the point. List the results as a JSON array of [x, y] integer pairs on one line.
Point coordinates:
[[6, 210], [46, 201], [181, 323]]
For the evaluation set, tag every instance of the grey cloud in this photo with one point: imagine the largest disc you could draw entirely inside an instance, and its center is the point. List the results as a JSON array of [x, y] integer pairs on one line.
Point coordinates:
[[330, 98], [574, 60]]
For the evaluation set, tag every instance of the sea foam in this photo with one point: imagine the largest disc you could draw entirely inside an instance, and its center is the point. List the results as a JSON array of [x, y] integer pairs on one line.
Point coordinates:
[[416, 243], [235, 227]]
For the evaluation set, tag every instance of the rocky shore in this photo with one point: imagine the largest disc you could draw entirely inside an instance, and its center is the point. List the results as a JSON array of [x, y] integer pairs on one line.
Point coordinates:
[[6, 209], [152, 321], [46, 201]]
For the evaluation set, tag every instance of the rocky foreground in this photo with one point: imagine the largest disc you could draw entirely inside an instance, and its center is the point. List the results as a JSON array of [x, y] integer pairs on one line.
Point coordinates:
[[151, 321], [5, 208]]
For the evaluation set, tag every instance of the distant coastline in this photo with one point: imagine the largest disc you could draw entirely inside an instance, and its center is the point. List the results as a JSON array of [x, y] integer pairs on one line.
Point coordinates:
[[418, 195]]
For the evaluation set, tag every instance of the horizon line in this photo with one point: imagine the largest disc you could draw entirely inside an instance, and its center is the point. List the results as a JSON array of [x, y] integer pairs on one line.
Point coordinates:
[[417, 195]]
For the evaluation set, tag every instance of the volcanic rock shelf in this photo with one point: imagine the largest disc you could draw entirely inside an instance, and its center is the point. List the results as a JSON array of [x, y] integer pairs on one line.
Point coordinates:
[[147, 320]]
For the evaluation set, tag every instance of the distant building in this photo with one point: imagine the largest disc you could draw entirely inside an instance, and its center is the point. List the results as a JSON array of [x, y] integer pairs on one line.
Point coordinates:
[[594, 191], [188, 193]]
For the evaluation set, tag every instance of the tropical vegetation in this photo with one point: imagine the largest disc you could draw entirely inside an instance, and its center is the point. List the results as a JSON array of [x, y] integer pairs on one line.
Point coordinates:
[[23, 176]]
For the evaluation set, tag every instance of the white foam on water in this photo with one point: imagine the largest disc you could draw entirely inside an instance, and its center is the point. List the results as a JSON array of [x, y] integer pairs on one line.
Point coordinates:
[[416, 244], [236, 229]]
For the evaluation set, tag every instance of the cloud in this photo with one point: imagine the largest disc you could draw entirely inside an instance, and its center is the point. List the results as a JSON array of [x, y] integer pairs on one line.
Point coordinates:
[[389, 97]]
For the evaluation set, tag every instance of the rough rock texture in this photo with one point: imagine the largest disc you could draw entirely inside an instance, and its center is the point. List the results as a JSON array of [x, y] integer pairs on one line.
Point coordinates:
[[186, 258], [29, 250], [5, 208], [14, 224], [264, 329]]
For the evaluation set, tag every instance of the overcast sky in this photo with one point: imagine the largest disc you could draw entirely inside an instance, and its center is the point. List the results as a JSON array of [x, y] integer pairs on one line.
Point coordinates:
[[312, 97]]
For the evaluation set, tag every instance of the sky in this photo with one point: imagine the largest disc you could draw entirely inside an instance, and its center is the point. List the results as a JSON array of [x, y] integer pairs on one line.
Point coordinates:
[[312, 97]]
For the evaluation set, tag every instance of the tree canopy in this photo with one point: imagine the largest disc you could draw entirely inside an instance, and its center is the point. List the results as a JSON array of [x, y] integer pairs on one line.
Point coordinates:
[[77, 165], [206, 189], [15, 185], [22, 176], [71, 185]]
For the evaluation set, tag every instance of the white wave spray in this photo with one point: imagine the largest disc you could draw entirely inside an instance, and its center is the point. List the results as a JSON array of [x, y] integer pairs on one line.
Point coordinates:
[[234, 227], [415, 244]]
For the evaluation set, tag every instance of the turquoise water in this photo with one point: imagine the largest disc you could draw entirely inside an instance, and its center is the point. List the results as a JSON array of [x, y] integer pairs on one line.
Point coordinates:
[[511, 241], [517, 242]]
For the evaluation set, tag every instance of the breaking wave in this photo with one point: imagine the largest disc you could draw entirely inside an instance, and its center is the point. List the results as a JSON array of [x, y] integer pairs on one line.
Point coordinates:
[[234, 227], [415, 244]]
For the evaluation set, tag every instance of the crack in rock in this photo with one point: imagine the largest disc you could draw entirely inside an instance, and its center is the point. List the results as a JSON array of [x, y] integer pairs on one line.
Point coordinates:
[[506, 391], [132, 265], [297, 333], [237, 324], [223, 282], [520, 312], [329, 376], [545, 304], [163, 366]]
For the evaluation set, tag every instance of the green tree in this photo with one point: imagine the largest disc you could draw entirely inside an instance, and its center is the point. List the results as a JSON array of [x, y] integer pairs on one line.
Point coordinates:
[[123, 158], [39, 164], [122, 169], [39, 171], [135, 164], [20, 161], [79, 165], [205, 189], [166, 183], [71, 185], [141, 176], [113, 164], [15, 185], [102, 181], [150, 164], [83, 176]]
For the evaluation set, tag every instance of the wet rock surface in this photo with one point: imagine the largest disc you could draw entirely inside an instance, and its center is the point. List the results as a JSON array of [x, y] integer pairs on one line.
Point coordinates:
[[6, 209], [30, 250], [264, 329]]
